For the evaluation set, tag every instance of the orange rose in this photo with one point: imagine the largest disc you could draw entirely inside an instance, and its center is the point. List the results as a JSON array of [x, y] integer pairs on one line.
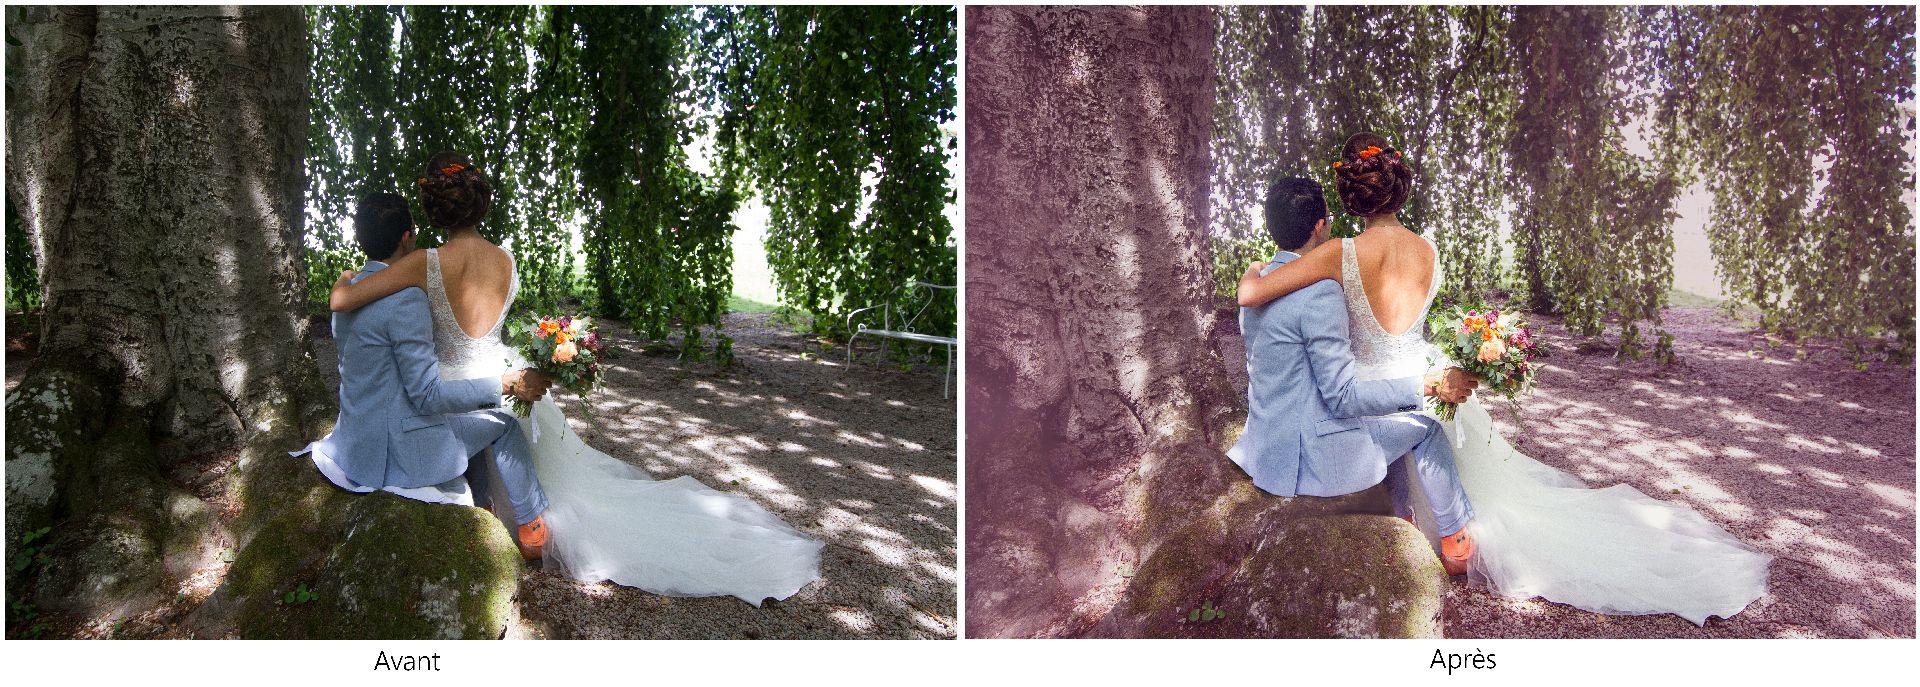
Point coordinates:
[[564, 352], [548, 327], [561, 338], [1492, 350]]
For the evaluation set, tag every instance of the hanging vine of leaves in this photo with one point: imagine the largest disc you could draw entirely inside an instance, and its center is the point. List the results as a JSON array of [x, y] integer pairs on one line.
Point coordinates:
[[834, 114], [579, 116], [1799, 120], [1793, 116], [1295, 82], [1594, 224], [393, 85], [23, 270], [659, 234]]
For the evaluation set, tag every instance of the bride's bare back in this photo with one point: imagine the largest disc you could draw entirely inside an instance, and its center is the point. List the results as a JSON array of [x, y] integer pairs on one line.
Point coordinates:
[[1396, 271], [479, 278]]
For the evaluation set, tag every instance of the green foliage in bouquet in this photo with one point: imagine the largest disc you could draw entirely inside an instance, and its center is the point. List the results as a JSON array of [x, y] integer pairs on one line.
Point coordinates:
[[1495, 346], [566, 348]]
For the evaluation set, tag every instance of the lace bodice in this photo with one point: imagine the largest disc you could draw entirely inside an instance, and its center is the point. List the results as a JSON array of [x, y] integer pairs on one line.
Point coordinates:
[[1379, 353], [462, 356]]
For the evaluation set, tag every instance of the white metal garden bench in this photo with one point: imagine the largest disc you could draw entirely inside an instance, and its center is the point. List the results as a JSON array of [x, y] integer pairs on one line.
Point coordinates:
[[915, 291]]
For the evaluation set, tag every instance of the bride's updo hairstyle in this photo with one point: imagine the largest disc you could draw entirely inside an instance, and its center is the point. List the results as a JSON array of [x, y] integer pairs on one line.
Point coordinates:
[[1371, 176], [454, 193]]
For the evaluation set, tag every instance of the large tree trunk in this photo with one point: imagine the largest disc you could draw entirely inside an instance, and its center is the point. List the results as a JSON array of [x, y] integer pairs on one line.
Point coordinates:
[[1098, 499], [157, 155]]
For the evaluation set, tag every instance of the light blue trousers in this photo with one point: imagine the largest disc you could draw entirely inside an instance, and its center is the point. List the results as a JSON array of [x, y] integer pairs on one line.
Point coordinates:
[[1425, 455], [498, 430]]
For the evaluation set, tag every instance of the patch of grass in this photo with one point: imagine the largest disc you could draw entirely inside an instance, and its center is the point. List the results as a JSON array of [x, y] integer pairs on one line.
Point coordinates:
[[1686, 299], [753, 289], [738, 303]]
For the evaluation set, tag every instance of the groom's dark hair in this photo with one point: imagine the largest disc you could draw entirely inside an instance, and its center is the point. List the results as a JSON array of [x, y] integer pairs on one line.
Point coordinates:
[[379, 220], [1294, 204]]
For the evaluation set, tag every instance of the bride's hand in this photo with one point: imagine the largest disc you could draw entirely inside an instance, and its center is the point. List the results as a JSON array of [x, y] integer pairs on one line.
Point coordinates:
[[346, 277], [1452, 385]]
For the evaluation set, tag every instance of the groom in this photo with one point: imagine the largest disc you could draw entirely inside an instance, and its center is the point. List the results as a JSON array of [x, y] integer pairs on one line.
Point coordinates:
[[1312, 429], [402, 428]]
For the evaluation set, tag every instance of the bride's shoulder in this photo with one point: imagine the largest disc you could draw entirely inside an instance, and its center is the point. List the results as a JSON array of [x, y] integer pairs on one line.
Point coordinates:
[[1425, 242]]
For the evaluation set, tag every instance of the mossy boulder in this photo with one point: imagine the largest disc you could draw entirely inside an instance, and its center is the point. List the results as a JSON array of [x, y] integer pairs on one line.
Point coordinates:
[[1285, 567], [374, 566], [1335, 576], [1326, 576]]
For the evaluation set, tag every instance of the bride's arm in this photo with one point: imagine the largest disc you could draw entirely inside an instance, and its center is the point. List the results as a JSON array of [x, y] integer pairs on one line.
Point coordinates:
[[1323, 262], [410, 270]]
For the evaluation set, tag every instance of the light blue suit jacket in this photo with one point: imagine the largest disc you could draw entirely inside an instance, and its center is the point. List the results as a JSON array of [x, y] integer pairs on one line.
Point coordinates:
[[1304, 435], [392, 430]]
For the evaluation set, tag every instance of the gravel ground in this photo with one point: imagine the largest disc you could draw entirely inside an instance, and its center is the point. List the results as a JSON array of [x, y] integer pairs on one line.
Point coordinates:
[[863, 458], [1806, 459]]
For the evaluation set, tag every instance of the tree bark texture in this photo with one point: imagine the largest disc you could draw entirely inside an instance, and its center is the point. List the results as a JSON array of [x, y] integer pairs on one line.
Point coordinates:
[[1099, 398], [156, 155]]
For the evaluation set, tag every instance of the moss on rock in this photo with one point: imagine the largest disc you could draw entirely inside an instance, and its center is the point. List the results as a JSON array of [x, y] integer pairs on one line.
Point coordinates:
[[1337, 576], [383, 567], [1285, 567]]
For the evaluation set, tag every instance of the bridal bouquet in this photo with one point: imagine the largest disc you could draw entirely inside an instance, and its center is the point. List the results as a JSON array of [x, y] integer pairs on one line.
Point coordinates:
[[565, 348], [1495, 346]]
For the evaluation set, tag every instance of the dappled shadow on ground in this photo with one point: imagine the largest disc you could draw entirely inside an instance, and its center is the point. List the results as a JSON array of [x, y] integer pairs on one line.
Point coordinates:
[[863, 458], [1805, 459]]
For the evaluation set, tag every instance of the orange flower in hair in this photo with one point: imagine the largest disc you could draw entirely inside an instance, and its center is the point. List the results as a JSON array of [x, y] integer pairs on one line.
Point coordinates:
[[452, 169], [1336, 164], [423, 181], [1370, 152]]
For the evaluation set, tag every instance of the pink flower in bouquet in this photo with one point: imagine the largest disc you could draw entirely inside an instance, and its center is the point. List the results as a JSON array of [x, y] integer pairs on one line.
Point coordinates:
[[1492, 349], [591, 341], [564, 352]]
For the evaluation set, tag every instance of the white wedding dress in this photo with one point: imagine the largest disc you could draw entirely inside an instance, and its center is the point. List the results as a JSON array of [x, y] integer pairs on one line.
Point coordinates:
[[1539, 531], [608, 520]]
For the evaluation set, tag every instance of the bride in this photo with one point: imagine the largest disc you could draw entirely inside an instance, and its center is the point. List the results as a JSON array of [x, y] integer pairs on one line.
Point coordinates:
[[606, 519], [1538, 531]]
